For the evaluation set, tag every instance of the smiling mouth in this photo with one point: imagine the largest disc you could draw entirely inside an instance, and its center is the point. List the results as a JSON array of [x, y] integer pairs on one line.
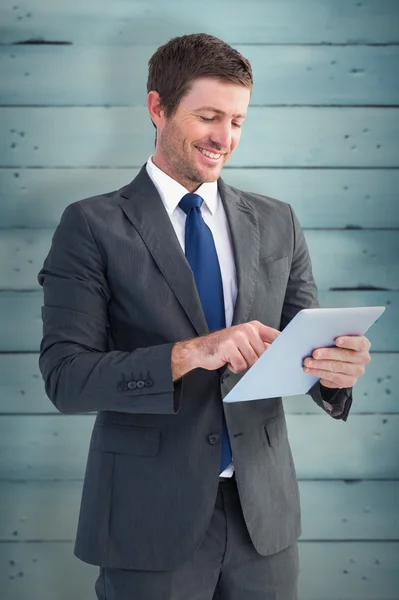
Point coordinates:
[[212, 155]]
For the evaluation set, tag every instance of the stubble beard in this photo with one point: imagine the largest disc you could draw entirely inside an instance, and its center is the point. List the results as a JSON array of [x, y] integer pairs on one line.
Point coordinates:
[[182, 168]]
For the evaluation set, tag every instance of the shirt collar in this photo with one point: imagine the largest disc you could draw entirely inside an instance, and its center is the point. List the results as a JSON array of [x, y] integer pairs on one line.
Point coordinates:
[[171, 191]]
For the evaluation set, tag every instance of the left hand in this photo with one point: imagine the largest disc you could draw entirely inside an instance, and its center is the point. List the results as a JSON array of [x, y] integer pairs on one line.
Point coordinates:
[[342, 366]]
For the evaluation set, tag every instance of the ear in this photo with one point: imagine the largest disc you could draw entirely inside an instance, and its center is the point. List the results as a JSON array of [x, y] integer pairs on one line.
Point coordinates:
[[155, 109]]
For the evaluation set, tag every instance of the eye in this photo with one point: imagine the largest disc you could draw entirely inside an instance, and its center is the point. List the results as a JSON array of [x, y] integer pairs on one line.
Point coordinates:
[[207, 118], [237, 125]]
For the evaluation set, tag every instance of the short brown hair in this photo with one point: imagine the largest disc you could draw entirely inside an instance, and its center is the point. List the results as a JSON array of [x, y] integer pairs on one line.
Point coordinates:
[[180, 61]]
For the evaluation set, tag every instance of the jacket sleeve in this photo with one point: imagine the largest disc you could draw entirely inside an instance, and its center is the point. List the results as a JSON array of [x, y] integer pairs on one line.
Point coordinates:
[[79, 372], [302, 293]]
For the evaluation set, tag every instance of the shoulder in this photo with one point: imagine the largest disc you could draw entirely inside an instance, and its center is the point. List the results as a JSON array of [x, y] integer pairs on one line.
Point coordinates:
[[96, 210], [104, 203], [265, 207]]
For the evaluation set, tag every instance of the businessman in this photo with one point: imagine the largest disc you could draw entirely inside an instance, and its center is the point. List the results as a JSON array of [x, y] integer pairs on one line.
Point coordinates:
[[157, 298]]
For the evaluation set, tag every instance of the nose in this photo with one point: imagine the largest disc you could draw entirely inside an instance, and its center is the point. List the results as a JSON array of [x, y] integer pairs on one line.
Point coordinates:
[[221, 136]]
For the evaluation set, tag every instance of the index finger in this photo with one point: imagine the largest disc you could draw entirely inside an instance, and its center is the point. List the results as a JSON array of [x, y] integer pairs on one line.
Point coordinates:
[[268, 334]]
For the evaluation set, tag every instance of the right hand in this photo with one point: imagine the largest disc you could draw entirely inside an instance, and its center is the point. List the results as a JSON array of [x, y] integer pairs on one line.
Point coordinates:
[[239, 346]]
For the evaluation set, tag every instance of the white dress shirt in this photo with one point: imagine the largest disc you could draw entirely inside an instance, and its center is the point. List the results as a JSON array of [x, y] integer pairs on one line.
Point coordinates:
[[212, 210]]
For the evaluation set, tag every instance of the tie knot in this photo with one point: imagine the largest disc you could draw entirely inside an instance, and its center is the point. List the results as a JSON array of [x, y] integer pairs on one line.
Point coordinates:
[[190, 201]]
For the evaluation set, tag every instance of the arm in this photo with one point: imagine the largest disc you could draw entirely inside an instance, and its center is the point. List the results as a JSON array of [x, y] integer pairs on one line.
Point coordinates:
[[302, 293], [79, 372]]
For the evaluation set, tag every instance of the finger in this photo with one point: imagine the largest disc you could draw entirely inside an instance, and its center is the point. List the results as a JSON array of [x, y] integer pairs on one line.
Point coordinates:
[[250, 353], [236, 369], [338, 379], [237, 362], [268, 334], [328, 384], [341, 354], [353, 342], [334, 366], [256, 341]]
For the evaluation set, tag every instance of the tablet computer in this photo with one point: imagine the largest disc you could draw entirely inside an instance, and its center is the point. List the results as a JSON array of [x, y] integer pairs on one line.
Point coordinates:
[[279, 370]]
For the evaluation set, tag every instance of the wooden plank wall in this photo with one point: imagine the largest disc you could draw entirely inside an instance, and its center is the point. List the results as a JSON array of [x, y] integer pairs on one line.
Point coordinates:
[[322, 134]]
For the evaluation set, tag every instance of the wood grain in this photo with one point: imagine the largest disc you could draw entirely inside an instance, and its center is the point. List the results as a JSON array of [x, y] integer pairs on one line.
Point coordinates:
[[46, 75], [321, 198], [271, 137], [262, 21]]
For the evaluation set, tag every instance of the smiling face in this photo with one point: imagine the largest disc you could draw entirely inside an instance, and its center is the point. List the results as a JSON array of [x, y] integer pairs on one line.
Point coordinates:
[[194, 144]]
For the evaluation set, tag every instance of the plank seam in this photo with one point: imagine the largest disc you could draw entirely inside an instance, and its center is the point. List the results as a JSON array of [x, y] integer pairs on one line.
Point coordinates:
[[58, 414], [312, 480], [242, 168], [274, 105], [41, 41], [227, 168]]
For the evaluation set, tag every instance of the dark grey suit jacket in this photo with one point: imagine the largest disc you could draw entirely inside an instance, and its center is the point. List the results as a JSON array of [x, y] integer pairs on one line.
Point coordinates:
[[118, 293]]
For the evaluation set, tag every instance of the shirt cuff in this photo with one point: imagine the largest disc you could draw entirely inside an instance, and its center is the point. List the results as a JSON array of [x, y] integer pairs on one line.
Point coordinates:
[[336, 401]]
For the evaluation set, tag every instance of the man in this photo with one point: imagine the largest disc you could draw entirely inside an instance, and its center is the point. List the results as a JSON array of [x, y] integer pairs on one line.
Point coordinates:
[[157, 298]]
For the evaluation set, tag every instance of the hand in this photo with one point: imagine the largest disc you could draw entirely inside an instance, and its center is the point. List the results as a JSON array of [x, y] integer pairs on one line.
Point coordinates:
[[342, 366], [239, 346]]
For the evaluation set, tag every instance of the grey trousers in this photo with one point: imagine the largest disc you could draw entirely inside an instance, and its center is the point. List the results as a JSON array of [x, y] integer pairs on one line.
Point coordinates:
[[225, 567]]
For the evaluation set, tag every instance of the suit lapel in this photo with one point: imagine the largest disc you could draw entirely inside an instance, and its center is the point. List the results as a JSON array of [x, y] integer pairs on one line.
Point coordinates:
[[244, 229], [144, 208]]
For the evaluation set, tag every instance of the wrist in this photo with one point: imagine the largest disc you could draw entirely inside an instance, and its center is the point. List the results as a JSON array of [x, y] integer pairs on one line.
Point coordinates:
[[183, 358]]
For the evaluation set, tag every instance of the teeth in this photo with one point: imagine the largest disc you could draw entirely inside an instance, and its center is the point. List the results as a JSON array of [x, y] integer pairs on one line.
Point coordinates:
[[210, 154]]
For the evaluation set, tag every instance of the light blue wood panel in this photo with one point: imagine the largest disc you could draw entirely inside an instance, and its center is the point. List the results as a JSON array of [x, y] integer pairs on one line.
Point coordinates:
[[55, 447], [50, 571], [22, 387], [341, 259], [140, 22], [339, 510], [382, 335], [328, 571], [271, 136], [117, 75], [354, 259], [322, 198], [21, 323], [364, 447], [331, 510], [44, 447], [348, 571]]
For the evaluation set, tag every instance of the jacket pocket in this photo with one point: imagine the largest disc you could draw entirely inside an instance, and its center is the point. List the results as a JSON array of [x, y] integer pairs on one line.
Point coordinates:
[[275, 429], [277, 437], [271, 268], [137, 441]]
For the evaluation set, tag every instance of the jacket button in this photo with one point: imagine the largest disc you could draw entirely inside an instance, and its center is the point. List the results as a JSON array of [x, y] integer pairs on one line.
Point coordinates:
[[214, 438], [132, 385], [148, 382], [140, 384], [123, 386]]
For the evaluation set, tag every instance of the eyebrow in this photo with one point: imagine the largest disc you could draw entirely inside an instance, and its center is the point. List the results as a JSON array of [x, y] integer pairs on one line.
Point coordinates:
[[219, 112]]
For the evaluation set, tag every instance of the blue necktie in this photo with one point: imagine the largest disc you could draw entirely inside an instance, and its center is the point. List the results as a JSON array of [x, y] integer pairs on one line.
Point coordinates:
[[202, 257]]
